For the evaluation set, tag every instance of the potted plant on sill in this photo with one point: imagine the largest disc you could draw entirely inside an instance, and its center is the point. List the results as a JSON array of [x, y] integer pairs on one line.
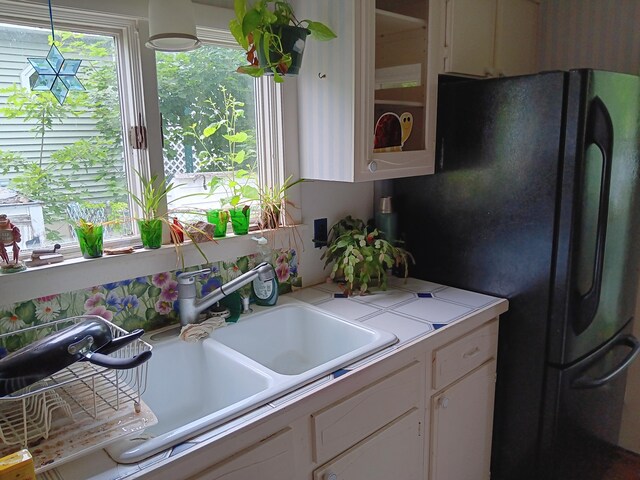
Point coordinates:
[[273, 203], [90, 238], [152, 197], [273, 37], [360, 257], [234, 166]]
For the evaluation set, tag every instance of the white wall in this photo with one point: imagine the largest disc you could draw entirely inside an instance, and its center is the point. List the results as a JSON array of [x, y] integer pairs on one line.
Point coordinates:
[[601, 34]]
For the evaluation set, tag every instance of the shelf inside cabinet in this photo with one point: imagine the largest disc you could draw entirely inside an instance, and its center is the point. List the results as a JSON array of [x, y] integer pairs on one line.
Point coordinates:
[[388, 23], [401, 103]]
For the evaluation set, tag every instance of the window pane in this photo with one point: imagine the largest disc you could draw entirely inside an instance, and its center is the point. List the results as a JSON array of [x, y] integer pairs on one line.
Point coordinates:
[[60, 162], [209, 128]]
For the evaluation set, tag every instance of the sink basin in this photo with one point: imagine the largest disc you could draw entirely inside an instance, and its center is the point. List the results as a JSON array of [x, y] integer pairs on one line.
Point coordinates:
[[205, 371], [293, 339], [193, 387]]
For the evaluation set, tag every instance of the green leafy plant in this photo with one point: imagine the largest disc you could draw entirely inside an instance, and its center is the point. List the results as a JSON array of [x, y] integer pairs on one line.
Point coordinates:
[[360, 257], [235, 163], [258, 29]]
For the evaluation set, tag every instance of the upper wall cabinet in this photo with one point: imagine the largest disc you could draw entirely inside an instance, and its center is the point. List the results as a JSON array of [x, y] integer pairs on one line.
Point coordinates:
[[367, 100], [490, 37]]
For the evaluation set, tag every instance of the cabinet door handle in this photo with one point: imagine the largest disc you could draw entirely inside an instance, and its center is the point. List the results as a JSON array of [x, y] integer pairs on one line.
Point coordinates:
[[330, 476], [443, 402], [471, 353]]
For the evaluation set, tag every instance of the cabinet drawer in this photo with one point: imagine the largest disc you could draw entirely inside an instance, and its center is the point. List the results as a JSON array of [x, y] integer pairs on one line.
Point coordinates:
[[464, 354], [269, 459], [393, 452], [344, 423]]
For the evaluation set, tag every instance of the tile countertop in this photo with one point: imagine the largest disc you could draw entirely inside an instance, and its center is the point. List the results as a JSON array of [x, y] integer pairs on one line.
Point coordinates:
[[411, 310]]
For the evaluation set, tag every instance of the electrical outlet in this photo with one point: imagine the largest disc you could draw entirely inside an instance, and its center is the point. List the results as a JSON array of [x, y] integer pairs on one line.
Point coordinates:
[[320, 232]]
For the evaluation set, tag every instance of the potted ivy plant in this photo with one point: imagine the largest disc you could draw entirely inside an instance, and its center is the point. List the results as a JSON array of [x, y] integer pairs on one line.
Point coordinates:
[[273, 37], [361, 257]]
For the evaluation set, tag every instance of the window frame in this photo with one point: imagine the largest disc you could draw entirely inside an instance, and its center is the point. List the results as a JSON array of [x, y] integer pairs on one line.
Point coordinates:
[[126, 37]]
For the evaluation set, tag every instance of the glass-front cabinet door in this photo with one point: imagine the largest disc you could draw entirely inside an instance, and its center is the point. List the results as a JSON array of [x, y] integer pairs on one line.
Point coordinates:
[[367, 100]]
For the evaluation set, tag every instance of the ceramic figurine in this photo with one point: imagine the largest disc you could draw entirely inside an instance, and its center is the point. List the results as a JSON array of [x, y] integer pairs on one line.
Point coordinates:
[[9, 237]]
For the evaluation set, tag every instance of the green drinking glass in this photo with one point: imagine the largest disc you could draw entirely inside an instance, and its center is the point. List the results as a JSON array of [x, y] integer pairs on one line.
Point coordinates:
[[90, 239], [240, 220], [150, 233], [219, 218]]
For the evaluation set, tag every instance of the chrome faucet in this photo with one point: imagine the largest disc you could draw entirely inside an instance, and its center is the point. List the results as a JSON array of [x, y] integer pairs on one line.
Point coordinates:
[[191, 307]]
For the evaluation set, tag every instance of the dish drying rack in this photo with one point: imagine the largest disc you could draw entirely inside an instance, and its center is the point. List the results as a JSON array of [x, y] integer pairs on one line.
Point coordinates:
[[78, 408]]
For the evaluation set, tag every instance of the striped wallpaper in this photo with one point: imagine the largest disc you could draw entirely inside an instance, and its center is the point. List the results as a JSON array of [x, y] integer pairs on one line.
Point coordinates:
[[603, 34]]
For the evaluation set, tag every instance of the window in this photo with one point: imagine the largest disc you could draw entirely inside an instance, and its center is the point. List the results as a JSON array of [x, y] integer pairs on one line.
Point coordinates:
[[61, 162]]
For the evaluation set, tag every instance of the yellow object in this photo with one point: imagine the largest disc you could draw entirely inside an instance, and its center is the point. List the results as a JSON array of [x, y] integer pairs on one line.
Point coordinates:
[[17, 466]]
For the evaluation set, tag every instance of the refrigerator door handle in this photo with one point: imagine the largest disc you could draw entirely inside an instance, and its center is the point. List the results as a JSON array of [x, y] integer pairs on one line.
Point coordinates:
[[600, 133], [584, 381]]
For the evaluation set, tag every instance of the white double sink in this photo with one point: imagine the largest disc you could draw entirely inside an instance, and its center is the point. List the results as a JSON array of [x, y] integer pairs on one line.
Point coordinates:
[[193, 387]]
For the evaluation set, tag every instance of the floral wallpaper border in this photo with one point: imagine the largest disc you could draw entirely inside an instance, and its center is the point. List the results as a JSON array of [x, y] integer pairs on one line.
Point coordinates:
[[149, 302]]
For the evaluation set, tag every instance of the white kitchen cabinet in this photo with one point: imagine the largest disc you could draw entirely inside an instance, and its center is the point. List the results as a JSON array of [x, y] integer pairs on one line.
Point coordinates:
[[385, 61], [490, 37], [391, 452], [461, 416], [269, 459]]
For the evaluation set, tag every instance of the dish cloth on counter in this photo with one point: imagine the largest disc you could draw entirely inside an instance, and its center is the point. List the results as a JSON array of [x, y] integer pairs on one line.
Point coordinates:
[[199, 331]]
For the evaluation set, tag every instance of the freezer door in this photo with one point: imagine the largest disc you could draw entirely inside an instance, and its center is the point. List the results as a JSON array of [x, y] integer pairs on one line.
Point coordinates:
[[583, 411], [596, 268]]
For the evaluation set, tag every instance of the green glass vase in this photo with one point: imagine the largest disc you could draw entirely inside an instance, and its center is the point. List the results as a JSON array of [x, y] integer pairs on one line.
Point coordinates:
[[219, 218], [240, 220], [90, 239], [150, 233]]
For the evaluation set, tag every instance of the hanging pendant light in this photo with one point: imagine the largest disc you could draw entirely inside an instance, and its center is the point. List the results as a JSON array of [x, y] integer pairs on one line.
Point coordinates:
[[55, 73], [172, 26]]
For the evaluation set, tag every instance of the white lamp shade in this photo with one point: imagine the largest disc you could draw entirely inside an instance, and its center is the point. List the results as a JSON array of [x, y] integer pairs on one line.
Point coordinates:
[[172, 27]]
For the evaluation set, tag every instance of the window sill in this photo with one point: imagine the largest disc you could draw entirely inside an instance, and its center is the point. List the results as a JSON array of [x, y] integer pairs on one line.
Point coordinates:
[[79, 273]]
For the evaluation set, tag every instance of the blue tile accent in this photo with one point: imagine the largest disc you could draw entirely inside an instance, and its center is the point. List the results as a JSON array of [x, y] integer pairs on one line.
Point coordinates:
[[339, 373], [438, 325], [340, 295], [424, 295]]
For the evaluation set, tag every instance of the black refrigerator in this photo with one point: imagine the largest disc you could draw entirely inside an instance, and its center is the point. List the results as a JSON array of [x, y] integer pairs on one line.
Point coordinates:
[[536, 199]]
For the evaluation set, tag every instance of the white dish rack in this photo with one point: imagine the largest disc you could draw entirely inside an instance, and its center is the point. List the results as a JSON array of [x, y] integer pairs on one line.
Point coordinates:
[[75, 410]]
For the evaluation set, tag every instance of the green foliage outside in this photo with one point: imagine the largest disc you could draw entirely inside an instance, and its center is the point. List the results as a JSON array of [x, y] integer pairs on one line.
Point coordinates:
[[204, 101], [236, 160]]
